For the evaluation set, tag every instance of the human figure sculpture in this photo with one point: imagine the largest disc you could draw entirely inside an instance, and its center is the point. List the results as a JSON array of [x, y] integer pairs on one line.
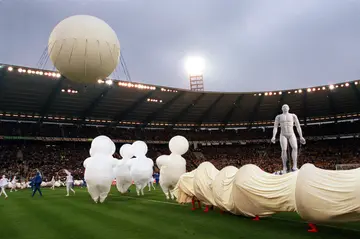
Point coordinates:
[[286, 122]]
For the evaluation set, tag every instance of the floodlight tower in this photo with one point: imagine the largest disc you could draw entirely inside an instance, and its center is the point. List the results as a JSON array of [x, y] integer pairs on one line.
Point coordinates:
[[195, 68]]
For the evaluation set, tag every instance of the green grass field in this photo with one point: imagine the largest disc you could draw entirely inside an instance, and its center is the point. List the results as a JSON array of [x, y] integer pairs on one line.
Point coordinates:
[[55, 216]]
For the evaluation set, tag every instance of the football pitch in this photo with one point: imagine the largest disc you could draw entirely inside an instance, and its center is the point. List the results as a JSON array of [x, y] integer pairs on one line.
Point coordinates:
[[131, 217]]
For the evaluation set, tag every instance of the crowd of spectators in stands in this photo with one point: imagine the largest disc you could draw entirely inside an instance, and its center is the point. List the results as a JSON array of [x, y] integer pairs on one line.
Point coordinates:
[[23, 157], [77, 131]]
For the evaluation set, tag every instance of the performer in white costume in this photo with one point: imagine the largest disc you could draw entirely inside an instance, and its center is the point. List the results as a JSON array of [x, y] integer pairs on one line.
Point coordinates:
[[99, 167], [13, 185], [172, 166], [122, 169], [142, 167], [69, 182], [151, 183], [53, 183], [3, 183], [286, 122]]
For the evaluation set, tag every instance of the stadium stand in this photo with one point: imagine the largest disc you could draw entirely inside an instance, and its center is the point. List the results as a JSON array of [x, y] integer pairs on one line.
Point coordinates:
[[44, 118]]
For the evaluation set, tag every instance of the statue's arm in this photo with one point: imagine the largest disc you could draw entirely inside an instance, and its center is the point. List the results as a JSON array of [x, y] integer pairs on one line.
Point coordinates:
[[276, 125], [297, 125]]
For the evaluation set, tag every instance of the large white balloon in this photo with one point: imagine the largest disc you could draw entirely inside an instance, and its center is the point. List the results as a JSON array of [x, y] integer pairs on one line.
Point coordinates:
[[179, 145], [140, 148], [84, 48]]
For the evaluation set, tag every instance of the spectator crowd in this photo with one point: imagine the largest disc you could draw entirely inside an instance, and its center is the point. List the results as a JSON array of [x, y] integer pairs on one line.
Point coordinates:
[[23, 157]]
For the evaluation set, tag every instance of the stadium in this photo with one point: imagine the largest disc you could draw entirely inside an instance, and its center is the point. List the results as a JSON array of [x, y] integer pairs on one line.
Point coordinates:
[[37, 122], [84, 154]]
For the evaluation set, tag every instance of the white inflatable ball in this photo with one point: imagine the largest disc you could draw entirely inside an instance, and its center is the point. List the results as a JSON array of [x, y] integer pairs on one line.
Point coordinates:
[[84, 48], [162, 160], [126, 151], [179, 145], [140, 148], [102, 145]]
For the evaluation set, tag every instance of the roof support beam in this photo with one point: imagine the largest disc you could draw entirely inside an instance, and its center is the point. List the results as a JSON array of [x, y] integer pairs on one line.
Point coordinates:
[[304, 107], [153, 115], [280, 104], [3, 73], [208, 110], [121, 115], [182, 113], [357, 94], [230, 113], [256, 111], [51, 98], [88, 111], [333, 110]]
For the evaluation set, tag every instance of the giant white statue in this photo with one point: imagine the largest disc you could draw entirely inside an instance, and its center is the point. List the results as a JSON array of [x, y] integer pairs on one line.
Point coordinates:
[[122, 169], [99, 168], [172, 166], [84, 48], [142, 167], [286, 122]]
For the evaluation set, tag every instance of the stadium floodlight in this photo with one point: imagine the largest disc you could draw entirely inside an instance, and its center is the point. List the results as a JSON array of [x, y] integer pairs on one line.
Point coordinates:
[[331, 87], [109, 82], [10, 68], [195, 65]]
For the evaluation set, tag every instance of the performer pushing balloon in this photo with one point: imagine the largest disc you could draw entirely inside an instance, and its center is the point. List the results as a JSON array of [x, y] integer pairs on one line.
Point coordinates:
[[3, 183], [13, 184], [69, 182]]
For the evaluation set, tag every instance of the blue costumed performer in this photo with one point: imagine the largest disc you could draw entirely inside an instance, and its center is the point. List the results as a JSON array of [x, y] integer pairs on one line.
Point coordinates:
[[37, 183]]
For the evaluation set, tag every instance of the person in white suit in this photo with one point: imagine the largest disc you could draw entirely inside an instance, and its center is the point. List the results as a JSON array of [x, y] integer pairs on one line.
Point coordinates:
[[122, 169], [13, 184], [3, 183], [172, 166], [69, 183], [142, 167], [99, 167]]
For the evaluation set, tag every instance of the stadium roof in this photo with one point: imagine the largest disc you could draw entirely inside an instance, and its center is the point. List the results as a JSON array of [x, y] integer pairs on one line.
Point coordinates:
[[40, 95]]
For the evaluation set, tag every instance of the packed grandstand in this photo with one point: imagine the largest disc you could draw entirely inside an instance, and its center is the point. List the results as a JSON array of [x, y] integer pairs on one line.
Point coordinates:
[[38, 127]]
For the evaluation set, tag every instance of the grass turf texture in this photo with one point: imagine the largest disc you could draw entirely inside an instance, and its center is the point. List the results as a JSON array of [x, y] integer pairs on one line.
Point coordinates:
[[131, 217]]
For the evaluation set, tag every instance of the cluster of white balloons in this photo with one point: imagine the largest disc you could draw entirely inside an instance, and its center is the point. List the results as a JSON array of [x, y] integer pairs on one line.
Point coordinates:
[[172, 166], [134, 167]]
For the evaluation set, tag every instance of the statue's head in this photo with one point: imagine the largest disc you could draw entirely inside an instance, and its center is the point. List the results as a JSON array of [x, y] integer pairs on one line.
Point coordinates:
[[285, 108]]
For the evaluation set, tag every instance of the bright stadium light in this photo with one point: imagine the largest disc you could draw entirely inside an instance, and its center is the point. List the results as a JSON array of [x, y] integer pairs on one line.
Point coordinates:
[[195, 65]]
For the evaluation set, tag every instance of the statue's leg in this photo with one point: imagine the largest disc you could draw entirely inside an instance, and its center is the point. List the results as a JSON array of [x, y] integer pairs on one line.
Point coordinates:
[[294, 153], [283, 144]]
